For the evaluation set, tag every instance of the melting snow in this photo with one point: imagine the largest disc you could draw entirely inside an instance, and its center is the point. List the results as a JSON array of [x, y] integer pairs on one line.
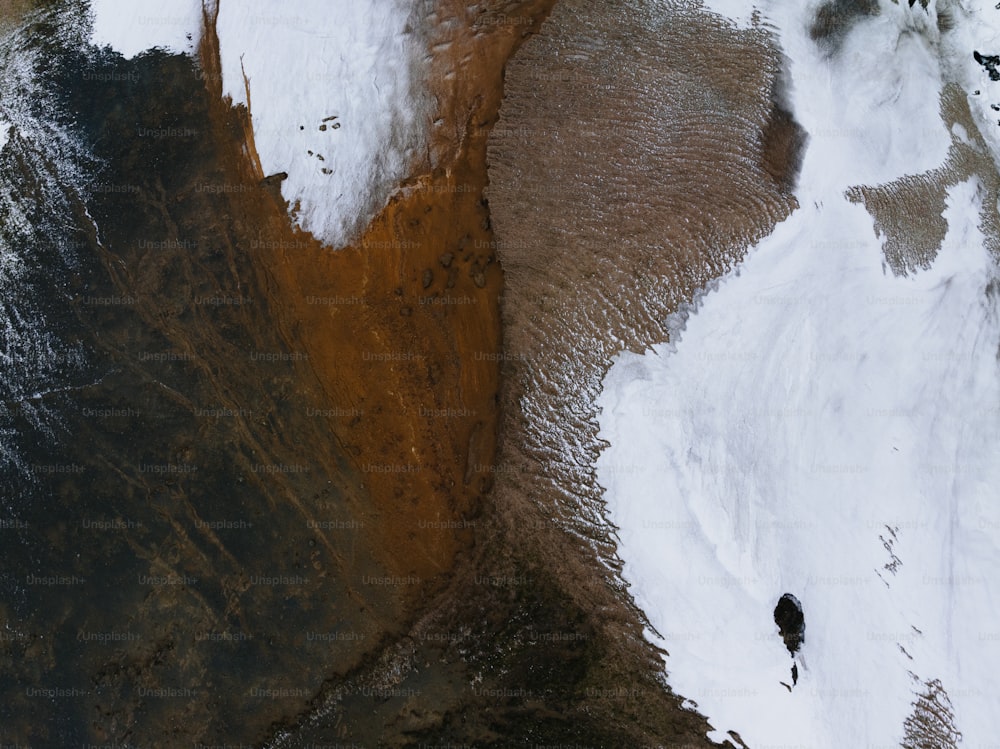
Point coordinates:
[[740, 12]]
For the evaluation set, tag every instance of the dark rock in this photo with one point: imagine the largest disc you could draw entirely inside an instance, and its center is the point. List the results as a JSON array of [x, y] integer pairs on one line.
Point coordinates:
[[990, 62], [272, 184], [791, 622], [783, 141]]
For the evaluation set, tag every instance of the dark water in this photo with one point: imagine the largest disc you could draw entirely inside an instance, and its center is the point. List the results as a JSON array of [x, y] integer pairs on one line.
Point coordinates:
[[160, 575]]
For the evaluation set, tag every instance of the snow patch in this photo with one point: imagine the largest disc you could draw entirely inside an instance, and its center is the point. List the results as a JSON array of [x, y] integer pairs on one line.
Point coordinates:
[[134, 26], [337, 98]]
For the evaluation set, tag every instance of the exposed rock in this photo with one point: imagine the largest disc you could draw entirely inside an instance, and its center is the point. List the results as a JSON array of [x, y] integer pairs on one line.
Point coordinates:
[[990, 62], [909, 210], [791, 624]]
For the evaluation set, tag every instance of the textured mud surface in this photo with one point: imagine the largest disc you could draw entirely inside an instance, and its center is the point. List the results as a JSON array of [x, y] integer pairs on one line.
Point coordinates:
[[610, 216]]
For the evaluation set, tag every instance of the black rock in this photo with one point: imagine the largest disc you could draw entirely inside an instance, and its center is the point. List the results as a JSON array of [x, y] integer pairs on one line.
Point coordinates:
[[990, 62], [791, 622]]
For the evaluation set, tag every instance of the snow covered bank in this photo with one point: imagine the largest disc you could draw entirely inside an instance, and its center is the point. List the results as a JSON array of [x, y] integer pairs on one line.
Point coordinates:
[[338, 101], [824, 428]]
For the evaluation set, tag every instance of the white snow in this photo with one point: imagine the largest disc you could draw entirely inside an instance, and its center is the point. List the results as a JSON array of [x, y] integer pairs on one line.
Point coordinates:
[[739, 12], [134, 26], [811, 400], [4, 133], [311, 60]]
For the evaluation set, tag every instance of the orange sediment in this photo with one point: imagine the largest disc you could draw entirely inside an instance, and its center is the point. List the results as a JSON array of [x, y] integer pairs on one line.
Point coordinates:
[[402, 329]]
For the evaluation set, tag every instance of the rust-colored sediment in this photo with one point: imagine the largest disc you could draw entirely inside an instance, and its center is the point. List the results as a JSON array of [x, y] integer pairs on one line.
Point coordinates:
[[402, 328]]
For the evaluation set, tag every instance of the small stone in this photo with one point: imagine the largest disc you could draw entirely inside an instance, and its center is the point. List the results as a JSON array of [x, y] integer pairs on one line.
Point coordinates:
[[428, 278], [446, 259]]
